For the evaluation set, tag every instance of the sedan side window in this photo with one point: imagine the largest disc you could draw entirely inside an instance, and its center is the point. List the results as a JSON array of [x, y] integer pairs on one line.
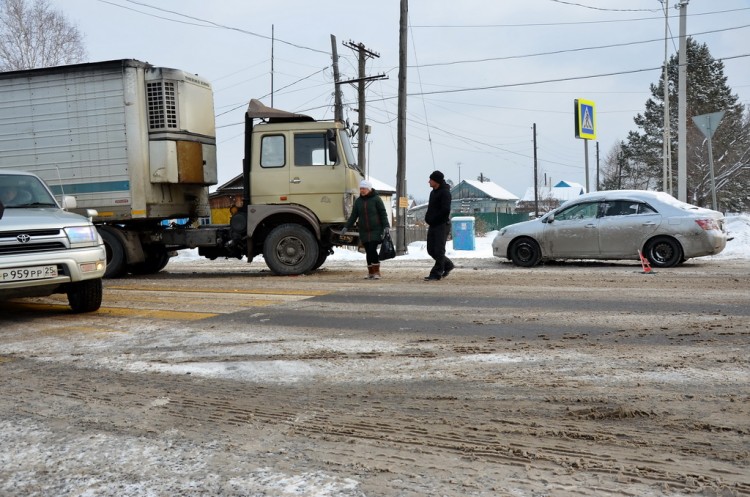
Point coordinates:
[[620, 208], [626, 208], [579, 211], [645, 209]]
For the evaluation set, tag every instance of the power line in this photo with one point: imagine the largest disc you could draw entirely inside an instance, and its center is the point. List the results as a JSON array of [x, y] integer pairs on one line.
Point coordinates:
[[569, 23], [206, 23], [569, 50], [556, 80], [601, 8], [279, 89], [424, 106]]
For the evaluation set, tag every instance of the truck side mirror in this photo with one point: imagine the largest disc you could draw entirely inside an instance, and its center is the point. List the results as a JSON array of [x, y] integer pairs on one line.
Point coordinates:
[[333, 154], [2, 209]]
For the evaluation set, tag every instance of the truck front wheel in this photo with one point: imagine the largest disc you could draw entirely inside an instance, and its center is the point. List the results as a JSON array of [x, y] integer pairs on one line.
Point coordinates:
[[291, 249], [115, 252]]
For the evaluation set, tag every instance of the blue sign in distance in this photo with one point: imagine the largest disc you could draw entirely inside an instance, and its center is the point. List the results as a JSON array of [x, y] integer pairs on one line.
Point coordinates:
[[585, 119]]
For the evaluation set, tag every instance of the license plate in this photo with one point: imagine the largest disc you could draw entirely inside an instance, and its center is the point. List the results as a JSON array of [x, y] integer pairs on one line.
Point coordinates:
[[28, 273]]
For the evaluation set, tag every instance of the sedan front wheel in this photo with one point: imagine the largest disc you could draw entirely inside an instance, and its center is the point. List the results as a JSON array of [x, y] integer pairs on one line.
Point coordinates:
[[525, 252]]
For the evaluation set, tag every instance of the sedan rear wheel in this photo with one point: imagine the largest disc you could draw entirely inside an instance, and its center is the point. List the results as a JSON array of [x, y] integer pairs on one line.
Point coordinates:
[[664, 251], [525, 252]]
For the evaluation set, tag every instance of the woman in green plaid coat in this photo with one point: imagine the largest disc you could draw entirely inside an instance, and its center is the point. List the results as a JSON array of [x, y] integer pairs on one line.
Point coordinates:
[[372, 220]]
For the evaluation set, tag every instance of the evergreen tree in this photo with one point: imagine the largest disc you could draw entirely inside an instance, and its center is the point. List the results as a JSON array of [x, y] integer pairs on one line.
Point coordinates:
[[707, 92]]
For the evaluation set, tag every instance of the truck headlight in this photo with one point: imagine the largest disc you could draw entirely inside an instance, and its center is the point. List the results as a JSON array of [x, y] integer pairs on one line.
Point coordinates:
[[81, 235]]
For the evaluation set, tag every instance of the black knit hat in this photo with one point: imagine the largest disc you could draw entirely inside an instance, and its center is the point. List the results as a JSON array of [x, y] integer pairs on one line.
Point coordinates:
[[437, 176]]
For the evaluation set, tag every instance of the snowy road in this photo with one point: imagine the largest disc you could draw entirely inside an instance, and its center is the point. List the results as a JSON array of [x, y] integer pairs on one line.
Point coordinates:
[[214, 378]]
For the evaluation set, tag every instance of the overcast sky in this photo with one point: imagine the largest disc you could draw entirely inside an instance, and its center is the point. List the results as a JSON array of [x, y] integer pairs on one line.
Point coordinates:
[[481, 72]]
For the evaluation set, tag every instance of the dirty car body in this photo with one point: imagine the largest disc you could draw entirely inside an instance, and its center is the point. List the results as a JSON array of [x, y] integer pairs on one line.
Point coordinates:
[[616, 224]]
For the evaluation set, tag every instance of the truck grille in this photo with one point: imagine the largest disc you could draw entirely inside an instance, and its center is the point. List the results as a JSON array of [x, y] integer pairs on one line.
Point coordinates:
[[162, 105]]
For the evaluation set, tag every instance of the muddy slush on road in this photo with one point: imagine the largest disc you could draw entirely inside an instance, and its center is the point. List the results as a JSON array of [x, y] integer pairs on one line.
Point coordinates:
[[575, 379]]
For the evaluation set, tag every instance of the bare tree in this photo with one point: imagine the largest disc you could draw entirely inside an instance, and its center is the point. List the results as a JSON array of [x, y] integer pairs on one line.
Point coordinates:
[[32, 35]]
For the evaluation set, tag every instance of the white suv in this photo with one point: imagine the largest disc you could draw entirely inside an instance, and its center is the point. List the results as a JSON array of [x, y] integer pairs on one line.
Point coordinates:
[[43, 248]]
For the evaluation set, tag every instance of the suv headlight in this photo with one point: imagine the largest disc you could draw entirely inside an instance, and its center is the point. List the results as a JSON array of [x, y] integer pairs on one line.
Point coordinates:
[[82, 236]]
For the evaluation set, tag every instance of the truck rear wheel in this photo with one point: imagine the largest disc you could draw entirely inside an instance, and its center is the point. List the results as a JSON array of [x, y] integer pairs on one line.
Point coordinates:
[[115, 252], [291, 249], [157, 259]]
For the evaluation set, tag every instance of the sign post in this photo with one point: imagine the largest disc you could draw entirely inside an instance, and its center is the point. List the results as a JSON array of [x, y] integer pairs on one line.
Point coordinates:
[[585, 128], [708, 123]]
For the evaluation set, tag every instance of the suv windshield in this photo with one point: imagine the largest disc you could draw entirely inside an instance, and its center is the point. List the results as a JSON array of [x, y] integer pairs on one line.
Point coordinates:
[[24, 191]]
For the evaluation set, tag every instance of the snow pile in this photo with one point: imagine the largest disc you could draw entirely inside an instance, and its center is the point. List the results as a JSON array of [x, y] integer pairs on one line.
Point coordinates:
[[739, 230]]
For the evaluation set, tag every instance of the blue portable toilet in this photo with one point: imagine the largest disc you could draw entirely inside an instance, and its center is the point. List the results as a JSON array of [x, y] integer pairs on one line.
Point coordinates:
[[463, 233]]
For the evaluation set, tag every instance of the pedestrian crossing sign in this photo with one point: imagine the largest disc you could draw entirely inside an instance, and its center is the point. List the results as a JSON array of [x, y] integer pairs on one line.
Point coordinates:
[[585, 125]]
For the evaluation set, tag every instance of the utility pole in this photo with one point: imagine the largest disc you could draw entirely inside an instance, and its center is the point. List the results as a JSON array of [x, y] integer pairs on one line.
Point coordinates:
[[272, 43], [667, 137], [536, 178], [403, 200], [459, 178], [338, 110], [682, 109], [597, 166], [362, 54]]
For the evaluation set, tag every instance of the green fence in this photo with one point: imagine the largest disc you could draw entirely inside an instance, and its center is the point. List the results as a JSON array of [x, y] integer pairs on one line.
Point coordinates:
[[485, 222]]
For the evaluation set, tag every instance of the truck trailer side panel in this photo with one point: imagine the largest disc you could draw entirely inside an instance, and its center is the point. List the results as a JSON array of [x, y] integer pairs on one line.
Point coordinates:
[[72, 124], [132, 141]]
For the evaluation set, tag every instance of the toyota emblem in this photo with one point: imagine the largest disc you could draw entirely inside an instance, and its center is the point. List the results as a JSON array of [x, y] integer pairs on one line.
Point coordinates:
[[23, 238]]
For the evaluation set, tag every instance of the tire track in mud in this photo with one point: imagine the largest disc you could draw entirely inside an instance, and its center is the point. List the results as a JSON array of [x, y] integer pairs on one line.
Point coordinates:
[[402, 430]]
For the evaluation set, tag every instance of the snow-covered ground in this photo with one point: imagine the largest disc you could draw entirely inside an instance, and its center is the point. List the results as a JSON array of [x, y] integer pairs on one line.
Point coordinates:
[[738, 248]]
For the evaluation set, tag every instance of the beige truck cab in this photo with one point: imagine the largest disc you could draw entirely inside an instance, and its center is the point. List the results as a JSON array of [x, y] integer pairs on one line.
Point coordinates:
[[300, 179], [310, 164]]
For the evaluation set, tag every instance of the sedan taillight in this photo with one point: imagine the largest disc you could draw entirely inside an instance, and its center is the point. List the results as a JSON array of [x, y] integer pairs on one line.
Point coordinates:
[[708, 224]]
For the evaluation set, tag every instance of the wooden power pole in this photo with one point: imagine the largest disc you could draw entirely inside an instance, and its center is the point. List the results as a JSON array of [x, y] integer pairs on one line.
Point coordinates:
[[402, 201], [338, 109], [362, 54]]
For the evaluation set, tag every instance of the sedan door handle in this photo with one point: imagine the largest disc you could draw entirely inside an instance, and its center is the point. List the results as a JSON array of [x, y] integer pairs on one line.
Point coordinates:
[[295, 180], [590, 225], [649, 223]]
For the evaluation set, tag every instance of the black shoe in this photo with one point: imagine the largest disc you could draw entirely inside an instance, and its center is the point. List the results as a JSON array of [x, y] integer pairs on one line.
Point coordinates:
[[432, 278], [448, 271]]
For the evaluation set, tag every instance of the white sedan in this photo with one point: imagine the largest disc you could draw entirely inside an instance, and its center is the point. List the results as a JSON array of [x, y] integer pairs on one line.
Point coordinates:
[[615, 224]]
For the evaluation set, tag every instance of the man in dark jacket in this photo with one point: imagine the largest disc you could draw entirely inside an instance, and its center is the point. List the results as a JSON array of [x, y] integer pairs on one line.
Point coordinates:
[[438, 221]]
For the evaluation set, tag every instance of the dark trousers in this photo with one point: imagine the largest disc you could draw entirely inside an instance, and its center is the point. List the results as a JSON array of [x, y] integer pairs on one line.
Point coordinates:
[[371, 251], [437, 236]]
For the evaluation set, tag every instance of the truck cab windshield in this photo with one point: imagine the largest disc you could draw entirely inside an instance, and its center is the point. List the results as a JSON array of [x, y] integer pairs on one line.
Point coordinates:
[[351, 159]]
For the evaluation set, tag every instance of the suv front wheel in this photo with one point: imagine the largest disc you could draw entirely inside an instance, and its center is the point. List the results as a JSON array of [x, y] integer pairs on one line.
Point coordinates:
[[85, 296]]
